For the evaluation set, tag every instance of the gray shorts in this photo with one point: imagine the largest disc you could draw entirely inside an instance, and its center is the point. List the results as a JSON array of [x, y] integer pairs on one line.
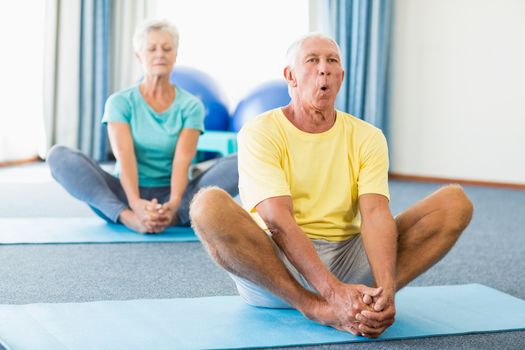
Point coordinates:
[[347, 260]]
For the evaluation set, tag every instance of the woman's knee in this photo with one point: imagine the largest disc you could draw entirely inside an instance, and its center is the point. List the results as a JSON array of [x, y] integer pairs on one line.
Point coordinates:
[[58, 160], [56, 154], [227, 174], [64, 161]]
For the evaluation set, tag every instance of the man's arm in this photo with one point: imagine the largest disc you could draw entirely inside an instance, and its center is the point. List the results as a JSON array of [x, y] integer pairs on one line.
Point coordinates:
[[342, 302], [379, 234]]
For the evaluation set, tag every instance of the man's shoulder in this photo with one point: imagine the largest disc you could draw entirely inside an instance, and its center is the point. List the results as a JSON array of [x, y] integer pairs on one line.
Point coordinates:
[[265, 121], [359, 128], [356, 122]]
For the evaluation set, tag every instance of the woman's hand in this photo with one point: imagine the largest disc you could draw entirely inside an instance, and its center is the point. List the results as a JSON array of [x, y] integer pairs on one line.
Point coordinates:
[[148, 214], [162, 216], [154, 216], [169, 212]]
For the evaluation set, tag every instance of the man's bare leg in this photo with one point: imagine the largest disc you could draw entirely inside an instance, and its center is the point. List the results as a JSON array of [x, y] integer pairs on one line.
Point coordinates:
[[428, 230], [239, 245]]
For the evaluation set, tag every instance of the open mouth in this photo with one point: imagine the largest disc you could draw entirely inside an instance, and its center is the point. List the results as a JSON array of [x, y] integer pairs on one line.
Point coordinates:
[[324, 88]]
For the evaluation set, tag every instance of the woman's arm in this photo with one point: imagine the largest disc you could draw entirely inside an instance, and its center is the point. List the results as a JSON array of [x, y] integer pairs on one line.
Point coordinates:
[[124, 151], [122, 145], [184, 154]]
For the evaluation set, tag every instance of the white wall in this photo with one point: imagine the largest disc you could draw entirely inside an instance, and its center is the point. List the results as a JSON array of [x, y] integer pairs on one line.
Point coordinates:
[[458, 93], [21, 103]]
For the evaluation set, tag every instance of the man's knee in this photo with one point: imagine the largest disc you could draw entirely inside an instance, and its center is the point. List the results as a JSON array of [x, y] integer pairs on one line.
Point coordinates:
[[207, 202], [458, 206]]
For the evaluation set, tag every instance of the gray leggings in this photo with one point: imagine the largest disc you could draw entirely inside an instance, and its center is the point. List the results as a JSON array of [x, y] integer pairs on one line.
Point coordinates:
[[87, 181]]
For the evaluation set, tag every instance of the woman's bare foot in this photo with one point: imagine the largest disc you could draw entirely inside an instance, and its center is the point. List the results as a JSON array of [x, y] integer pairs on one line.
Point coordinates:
[[144, 216], [131, 220]]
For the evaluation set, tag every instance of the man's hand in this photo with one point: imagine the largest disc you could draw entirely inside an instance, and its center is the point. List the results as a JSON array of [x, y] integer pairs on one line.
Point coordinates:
[[341, 306], [381, 314]]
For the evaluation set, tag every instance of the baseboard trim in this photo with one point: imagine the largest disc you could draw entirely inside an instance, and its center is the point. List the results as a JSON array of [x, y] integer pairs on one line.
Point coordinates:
[[393, 176], [396, 176], [20, 161]]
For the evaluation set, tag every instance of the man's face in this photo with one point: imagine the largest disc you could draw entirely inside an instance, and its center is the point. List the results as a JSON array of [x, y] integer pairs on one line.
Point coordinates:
[[317, 74]]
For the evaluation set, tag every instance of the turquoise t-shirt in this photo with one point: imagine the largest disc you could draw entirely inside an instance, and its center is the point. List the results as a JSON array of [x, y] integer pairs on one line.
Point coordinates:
[[155, 135]]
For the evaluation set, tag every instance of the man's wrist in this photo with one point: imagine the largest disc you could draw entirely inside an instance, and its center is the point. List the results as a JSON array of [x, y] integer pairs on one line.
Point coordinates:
[[389, 287], [386, 280], [327, 288], [310, 306]]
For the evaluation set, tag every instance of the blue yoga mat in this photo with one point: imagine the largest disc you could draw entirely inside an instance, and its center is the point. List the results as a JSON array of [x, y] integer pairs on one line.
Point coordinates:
[[81, 230], [227, 322]]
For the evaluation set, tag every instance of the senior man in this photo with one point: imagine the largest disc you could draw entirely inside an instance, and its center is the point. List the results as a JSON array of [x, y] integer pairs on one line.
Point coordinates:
[[316, 232]]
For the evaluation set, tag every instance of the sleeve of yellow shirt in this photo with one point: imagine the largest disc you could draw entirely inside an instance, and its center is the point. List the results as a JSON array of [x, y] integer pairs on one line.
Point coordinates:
[[260, 172], [373, 174]]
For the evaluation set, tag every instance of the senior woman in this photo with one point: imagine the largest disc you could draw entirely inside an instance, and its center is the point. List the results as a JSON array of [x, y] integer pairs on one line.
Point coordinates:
[[153, 129]]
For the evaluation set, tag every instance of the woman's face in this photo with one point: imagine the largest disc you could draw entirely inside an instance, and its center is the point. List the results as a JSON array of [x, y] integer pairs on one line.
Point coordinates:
[[158, 55]]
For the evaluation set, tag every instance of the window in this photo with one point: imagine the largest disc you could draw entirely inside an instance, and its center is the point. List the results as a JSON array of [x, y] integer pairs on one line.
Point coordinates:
[[240, 43], [21, 69]]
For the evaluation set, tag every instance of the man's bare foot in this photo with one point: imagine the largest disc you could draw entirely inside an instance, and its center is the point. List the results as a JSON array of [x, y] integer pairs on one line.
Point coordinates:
[[130, 220]]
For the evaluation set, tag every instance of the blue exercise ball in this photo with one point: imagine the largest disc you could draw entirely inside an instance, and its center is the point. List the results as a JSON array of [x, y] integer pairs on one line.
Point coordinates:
[[270, 95], [208, 91]]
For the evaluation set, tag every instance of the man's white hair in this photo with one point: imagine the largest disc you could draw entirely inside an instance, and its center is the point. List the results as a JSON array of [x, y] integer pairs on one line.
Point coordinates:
[[141, 33], [293, 49]]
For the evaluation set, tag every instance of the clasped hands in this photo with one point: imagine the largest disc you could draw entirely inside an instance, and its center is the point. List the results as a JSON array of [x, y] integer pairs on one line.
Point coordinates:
[[358, 309], [154, 216]]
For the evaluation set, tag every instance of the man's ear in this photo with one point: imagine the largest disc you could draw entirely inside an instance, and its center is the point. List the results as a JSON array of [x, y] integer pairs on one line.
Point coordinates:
[[289, 76]]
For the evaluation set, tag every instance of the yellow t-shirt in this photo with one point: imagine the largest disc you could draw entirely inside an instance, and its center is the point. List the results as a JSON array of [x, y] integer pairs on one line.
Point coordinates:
[[324, 173]]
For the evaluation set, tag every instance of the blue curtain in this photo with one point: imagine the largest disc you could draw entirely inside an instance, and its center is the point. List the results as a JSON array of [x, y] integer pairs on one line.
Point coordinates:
[[94, 78], [362, 30]]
